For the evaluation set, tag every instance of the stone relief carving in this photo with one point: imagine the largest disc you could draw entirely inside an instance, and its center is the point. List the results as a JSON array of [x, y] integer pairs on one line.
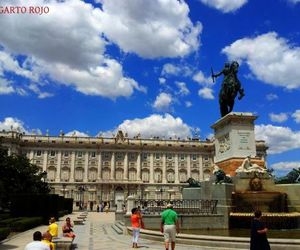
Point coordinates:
[[224, 143]]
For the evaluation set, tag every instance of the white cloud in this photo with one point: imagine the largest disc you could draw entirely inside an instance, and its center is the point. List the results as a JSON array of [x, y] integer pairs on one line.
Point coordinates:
[[183, 90], [5, 87], [76, 133], [68, 48], [206, 93], [162, 80], [188, 104], [271, 97], [9, 64], [12, 123], [41, 94], [286, 166], [163, 102], [225, 5], [151, 29], [294, 1], [270, 58], [202, 80], [281, 117], [279, 139], [154, 125], [176, 70], [296, 116]]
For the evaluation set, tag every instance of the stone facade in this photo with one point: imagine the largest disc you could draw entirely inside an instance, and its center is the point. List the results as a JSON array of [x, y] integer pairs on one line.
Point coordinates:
[[95, 169]]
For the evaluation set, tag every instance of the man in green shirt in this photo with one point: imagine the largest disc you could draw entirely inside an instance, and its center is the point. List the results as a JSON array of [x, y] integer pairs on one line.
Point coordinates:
[[169, 226]]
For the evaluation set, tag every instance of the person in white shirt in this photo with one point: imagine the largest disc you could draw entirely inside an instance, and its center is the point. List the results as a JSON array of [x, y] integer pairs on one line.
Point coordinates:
[[36, 244]]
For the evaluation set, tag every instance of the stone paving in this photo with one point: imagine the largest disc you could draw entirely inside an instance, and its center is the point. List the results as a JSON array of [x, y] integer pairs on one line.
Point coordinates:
[[95, 234]]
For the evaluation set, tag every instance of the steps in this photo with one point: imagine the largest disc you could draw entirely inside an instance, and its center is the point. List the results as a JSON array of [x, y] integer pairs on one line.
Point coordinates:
[[118, 227]]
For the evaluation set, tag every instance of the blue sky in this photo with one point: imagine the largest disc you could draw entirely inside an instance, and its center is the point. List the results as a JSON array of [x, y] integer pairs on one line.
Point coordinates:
[[143, 66]]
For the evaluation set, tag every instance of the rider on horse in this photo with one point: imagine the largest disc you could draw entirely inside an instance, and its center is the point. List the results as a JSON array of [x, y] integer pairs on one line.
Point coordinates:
[[230, 86]]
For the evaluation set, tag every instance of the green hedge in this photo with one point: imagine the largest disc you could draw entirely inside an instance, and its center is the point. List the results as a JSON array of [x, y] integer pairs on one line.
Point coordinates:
[[26, 223], [47, 206], [7, 222], [4, 232], [4, 216]]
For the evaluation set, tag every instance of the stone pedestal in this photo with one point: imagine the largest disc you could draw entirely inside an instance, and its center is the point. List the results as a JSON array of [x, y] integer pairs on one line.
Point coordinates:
[[234, 141]]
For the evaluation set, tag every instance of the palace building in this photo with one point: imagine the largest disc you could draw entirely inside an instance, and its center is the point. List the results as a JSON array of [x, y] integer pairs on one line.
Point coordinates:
[[95, 169]]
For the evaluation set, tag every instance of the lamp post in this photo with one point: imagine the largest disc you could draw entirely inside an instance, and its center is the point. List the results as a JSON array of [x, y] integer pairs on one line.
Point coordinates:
[[44, 176], [81, 189], [64, 189]]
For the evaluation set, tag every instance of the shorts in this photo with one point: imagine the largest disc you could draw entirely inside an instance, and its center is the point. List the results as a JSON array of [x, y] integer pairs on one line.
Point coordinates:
[[170, 233]]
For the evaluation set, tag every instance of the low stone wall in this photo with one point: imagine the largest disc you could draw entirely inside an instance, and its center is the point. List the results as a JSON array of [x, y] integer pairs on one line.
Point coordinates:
[[293, 194], [216, 242], [205, 221]]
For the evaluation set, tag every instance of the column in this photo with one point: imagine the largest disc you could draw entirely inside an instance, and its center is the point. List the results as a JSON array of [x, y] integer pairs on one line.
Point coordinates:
[[201, 177], [112, 166], [188, 160], [100, 166], [45, 160], [138, 173], [86, 164], [72, 166], [176, 169], [164, 168], [125, 174], [58, 167], [151, 168]]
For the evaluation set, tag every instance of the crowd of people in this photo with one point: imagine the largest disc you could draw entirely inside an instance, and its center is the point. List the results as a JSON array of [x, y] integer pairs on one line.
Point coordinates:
[[44, 241], [169, 227]]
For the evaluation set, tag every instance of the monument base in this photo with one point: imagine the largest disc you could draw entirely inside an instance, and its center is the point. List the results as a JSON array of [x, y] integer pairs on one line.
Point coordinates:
[[229, 166]]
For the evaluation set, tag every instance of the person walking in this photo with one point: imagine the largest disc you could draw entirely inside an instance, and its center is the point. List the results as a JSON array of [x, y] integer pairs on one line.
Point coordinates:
[[259, 231], [136, 226], [36, 244], [169, 226]]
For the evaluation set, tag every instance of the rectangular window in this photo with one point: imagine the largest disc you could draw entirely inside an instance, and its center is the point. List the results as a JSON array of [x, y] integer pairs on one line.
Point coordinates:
[[157, 156], [38, 153], [52, 153], [194, 157], [182, 156], [79, 154], [145, 155], [170, 156], [93, 154], [66, 154]]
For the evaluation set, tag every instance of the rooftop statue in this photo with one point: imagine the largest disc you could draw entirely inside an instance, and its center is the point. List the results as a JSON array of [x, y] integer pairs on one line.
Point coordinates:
[[230, 87]]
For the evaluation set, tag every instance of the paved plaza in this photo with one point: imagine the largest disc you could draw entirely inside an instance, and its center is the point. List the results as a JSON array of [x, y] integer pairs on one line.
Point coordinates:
[[95, 234]]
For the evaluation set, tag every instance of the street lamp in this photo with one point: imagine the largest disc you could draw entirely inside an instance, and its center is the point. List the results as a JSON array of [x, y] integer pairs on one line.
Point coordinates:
[[81, 189], [161, 192], [64, 189], [44, 176]]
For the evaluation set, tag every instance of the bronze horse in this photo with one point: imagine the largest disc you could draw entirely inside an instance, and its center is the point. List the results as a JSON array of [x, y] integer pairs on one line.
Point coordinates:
[[230, 87]]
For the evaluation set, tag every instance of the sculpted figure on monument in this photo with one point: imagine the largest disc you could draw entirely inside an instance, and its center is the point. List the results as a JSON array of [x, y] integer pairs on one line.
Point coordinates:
[[220, 176], [247, 166], [230, 87], [193, 183]]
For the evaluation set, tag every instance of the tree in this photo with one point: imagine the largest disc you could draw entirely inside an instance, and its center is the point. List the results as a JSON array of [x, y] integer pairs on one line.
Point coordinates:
[[292, 177], [19, 176]]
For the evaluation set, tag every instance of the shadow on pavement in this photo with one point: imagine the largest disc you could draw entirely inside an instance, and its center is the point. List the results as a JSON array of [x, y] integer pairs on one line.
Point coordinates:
[[7, 247]]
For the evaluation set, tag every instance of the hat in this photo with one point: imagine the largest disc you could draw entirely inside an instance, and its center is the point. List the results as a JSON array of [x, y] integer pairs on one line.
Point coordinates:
[[169, 205]]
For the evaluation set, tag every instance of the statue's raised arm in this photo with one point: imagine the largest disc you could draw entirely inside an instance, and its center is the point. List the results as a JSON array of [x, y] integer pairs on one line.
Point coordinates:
[[230, 87]]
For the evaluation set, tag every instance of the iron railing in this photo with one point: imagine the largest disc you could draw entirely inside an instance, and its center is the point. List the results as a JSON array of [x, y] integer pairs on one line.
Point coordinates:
[[180, 206]]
